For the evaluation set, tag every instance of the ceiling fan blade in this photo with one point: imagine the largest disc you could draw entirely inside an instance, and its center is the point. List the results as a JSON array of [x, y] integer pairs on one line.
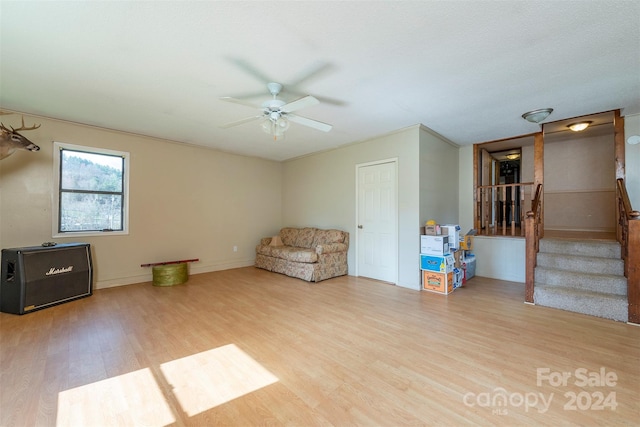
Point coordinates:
[[310, 73], [239, 101], [240, 122], [250, 95], [309, 122], [322, 99], [250, 69], [298, 104]]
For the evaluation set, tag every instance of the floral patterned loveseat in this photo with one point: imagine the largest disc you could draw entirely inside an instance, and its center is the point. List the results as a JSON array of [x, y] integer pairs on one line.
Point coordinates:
[[310, 254]]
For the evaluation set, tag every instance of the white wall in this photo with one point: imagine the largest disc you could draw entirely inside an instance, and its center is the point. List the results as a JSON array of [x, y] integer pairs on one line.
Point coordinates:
[[632, 160], [186, 202], [319, 191], [439, 177], [500, 257], [579, 180], [465, 188], [438, 182]]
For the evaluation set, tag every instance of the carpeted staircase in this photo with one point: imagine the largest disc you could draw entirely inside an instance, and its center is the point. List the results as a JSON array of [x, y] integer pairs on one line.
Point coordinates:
[[584, 276]]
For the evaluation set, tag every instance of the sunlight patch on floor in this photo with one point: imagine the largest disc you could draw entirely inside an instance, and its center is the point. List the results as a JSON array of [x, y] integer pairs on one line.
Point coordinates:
[[208, 379], [129, 399]]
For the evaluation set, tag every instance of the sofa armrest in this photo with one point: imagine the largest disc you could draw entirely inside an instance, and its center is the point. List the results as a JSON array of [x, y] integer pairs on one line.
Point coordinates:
[[265, 241], [326, 248]]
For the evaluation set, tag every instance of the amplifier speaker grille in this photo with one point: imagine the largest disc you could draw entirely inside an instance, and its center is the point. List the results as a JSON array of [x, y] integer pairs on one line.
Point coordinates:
[[38, 277]]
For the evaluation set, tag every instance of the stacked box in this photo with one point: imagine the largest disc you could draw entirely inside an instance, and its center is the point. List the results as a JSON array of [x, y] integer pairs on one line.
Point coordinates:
[[438, 264], [434, 245], [432, 230], [457, 257], [453, 231], [441, 283], [466, 243], [457, 278]]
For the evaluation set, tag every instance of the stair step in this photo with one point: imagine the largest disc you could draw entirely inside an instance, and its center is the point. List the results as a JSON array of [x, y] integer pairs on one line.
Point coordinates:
[[592, 248], [598, 304], [604, 283], [583, 276], [584, 264]]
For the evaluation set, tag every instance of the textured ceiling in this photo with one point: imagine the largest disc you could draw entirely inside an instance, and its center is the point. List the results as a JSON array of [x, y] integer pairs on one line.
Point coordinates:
[[467, 70]]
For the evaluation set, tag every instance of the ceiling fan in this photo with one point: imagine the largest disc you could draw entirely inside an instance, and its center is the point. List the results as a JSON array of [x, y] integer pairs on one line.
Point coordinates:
[[276, 114]]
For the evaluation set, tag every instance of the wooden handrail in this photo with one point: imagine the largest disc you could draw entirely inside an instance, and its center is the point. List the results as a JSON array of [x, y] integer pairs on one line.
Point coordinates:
[[628, 235], [626, 203], [532, 239], [535, 203]]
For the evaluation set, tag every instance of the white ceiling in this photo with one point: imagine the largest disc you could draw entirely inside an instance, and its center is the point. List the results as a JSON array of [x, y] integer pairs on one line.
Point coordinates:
[[467, 70]]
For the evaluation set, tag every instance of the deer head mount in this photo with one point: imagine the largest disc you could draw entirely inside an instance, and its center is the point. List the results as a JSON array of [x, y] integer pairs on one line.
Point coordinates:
[[11, 140]]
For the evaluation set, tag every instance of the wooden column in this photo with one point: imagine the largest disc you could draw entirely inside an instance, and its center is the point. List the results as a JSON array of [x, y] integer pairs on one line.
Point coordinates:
[[618, 137], [530, 256], [618, 140], [633, 271], [538, 173], [477, 212]]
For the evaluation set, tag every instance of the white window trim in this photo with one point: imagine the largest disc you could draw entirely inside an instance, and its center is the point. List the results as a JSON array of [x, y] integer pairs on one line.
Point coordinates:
[[57, 146]]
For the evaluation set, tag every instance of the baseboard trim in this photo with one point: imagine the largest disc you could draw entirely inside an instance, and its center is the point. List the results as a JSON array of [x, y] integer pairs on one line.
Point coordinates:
[[143, 278]]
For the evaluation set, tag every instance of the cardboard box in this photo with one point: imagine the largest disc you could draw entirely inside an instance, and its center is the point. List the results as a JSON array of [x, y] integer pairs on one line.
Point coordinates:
[[458, 275], [438, 264], [457, 259], [432, 230], [437, 282], [434, 245], [466, 243], [453, 231]]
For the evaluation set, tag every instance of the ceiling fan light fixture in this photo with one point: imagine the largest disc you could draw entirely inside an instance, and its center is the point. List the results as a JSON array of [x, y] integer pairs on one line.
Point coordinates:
[[536, 116], [276, 114], [275, 126], [267, 126], [579, 126], [282, 124]]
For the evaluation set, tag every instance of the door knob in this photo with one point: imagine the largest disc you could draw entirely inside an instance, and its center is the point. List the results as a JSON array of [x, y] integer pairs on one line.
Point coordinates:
[[360, 227]]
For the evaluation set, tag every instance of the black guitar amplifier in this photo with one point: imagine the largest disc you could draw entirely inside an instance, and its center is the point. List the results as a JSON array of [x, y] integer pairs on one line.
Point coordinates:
[[38, 277]]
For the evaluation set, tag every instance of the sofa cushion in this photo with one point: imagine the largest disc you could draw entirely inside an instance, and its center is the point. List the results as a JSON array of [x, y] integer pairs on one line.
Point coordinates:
[[327, 248], [289, 253], [328, 236], [305, 237], [289, 236]]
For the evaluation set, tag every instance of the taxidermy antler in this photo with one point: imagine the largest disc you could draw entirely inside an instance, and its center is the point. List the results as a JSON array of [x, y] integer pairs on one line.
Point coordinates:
[[11, 140]]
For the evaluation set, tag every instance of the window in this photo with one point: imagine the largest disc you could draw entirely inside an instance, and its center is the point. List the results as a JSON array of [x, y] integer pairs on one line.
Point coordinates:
[[91, 191]]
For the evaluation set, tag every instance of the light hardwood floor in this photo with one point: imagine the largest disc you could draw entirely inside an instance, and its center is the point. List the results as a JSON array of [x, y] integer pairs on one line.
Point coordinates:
[[247, 347]]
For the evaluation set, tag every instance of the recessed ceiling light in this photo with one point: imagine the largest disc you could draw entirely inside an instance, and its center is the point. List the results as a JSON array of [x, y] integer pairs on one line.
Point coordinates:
[[579, 126]]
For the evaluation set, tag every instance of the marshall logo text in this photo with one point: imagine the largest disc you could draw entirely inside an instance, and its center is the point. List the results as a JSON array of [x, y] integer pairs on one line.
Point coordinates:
[[53, 271]]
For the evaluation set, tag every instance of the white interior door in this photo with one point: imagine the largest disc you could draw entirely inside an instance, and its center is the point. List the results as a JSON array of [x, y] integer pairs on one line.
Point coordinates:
[[377, 221]]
